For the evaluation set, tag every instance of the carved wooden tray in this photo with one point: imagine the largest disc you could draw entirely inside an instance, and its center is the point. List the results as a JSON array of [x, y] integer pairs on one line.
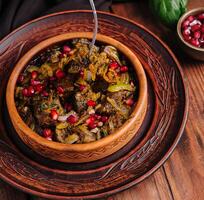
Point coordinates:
[[160, 133]]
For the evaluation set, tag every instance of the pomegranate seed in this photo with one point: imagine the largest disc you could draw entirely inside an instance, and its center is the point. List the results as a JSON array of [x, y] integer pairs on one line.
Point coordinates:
[[185, 23], [66, 49], [90, 120], [34, 74], [72, 119], [113, 65], [60, 90], [92, 125], [81, 73], [124, 69], [187, 37], [45, 93], [104, 119], [34, 82], [202, 28], [52, 78], [186, 31], [31, 91], [190, 18], [82, 87], [39, 88], [47, 133], [25, 92], [195, 42], [68, 106], [197, 34], [98, 117], [59, 74], [20, 78], [91, 103], [195, 27], [129, 102], [54, 114], [201, 16]]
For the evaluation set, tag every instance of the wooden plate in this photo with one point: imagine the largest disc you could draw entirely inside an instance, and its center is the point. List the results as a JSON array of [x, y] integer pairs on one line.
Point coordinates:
[[160, 133]]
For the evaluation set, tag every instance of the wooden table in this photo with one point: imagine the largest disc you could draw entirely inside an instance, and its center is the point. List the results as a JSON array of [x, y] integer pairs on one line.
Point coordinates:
[[182, 176]]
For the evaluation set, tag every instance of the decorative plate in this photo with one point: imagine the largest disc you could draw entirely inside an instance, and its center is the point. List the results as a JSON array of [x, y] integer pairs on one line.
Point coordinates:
[[160, 133]]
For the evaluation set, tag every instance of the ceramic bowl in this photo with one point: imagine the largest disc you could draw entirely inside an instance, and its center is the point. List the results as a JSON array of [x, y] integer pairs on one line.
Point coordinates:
[[78, 153], [192, 51]]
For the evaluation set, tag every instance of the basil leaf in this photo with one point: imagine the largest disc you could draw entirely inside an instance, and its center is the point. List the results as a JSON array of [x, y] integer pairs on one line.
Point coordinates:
[[168, 11]]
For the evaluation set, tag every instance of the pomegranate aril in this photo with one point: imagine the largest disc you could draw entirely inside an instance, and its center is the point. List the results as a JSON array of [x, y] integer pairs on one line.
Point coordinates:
[[34, 82], [92, 125], [195, 42], [47, 133], [39, 88], [187, 37], [185, 23], [20, 78], [113, 65], [60, 90], [54, 114], [90, 120], [45, 93], [129, 102], [82, 87], [195, 27], [201, 16], [68, 106], [52, 78], [66, 49], [104, 119], [98, 117], [91, 103], [34, 74], [25, 92], [72, 119], [31, 91], [197, 34], [59, 74], [202, 29], [190, 18], [186, 31], [124, 69]]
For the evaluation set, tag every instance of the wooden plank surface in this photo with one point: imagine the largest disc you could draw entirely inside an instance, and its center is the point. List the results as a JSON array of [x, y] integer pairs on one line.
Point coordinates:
[[182, 176]]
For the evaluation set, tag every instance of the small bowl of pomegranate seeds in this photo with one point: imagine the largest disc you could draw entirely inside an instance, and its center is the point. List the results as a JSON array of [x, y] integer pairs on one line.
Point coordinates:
[[71, 105], [190, 29]]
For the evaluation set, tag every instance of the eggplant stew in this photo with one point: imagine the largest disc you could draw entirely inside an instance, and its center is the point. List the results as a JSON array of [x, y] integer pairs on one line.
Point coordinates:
[[66, 95]]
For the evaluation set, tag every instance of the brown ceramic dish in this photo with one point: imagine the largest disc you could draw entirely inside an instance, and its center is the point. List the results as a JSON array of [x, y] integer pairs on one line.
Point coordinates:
[[194, 52], [84, 152]]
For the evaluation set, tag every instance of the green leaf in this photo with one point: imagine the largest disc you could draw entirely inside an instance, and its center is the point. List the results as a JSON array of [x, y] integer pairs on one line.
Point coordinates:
[[168, 11]]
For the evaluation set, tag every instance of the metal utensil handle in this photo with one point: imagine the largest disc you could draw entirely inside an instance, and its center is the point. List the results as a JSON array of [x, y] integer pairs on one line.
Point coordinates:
[[95, 25]]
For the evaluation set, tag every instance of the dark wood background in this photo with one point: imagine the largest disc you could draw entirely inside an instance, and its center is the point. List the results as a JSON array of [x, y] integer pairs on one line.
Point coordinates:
[[182, 176]]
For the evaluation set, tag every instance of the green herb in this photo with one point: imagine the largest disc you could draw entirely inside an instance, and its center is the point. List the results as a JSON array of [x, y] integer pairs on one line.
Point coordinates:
[[44, 106], [168, 11]]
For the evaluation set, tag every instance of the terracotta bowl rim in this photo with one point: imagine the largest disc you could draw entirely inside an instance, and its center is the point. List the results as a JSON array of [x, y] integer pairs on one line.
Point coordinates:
[[17, 120], [184, 16]]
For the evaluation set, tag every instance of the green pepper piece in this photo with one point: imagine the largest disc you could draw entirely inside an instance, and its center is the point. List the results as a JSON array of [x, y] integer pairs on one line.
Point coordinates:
[[119, 87]]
